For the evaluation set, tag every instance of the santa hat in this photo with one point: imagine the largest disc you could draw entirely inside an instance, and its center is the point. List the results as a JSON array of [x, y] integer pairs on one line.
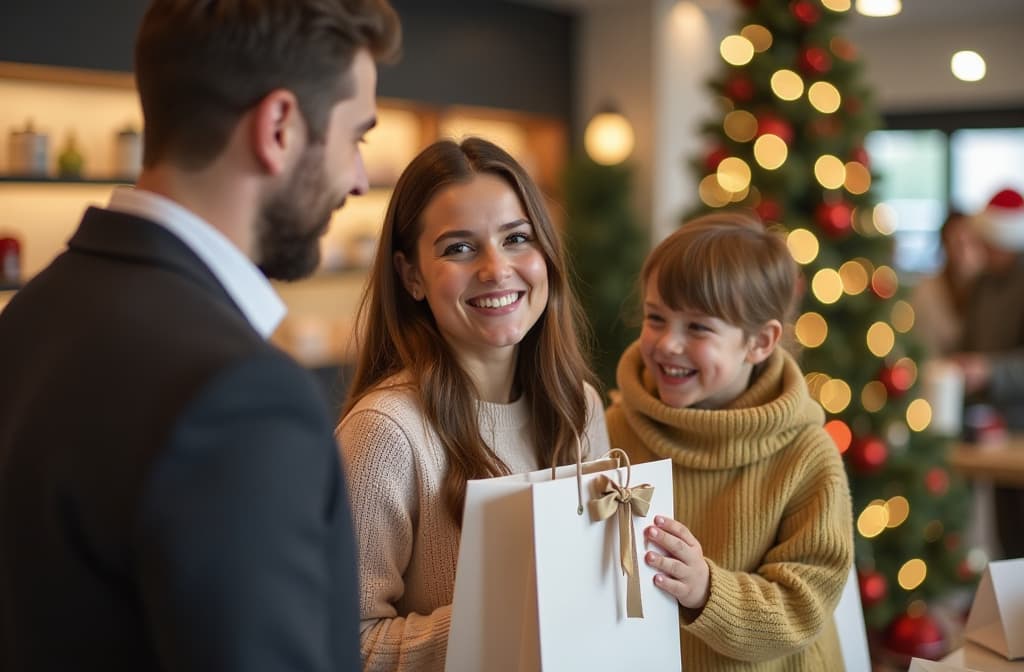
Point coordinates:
[[1001, 223]]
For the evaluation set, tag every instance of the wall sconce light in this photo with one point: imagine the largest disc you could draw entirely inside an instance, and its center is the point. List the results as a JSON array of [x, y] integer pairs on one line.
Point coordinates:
[[608, 137]]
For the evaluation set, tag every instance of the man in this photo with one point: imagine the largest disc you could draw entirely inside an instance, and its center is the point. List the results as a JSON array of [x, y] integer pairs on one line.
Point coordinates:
[[993, 361], [170, 491]]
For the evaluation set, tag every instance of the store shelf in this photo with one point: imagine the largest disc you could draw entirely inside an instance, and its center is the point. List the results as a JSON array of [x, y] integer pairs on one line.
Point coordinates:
[[45, 179]]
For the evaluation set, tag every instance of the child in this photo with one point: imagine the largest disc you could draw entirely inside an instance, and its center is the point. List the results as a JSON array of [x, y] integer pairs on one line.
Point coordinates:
[[469, 366], [767, 544]]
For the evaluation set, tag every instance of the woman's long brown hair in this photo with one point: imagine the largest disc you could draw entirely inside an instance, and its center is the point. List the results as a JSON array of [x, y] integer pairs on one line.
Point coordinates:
[[397, 333]]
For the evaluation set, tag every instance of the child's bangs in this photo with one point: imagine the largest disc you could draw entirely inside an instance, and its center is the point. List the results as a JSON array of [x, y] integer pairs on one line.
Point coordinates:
[[686, 280]]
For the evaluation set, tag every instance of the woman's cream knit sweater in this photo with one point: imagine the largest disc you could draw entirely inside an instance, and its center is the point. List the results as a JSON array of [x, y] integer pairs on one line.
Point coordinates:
[[763, 488], [408, 542]]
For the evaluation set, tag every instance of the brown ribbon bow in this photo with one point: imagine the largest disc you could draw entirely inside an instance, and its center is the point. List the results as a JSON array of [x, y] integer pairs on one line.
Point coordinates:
[[628, 502]]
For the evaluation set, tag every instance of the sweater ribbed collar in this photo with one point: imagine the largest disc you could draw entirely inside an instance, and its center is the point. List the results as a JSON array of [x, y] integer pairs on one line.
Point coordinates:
[[758, 423], [503, 416]]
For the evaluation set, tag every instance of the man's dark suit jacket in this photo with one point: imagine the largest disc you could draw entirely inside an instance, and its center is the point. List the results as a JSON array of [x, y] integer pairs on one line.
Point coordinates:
[[170, 490]]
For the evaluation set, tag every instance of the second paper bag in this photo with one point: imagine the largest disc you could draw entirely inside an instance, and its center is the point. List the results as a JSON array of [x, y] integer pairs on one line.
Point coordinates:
[[540, 586]]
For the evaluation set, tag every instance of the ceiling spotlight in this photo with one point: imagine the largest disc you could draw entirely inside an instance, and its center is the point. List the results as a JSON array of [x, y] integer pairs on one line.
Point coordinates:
[[879, 7], [968, 66]]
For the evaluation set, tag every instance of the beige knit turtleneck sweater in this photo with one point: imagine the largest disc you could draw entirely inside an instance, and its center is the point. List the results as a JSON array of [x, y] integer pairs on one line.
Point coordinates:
[[408, 543], [763, 488]]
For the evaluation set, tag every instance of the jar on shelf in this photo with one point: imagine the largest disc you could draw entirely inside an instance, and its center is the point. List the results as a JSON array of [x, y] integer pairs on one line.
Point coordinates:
[[128, 154], [28, 151]]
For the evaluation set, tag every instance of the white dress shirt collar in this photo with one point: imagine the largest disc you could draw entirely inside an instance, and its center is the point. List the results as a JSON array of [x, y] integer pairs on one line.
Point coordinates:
[[242, 280]]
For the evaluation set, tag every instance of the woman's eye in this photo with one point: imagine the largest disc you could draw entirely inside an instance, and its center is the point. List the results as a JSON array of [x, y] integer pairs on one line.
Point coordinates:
[[518, 238], [457, 248], [654, 317], [697, 326]]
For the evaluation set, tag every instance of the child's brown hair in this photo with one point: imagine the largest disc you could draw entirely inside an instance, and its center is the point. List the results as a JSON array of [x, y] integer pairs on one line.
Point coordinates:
[[727, 265]]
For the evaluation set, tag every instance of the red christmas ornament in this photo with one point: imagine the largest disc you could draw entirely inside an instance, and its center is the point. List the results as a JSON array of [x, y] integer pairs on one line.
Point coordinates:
[[806, 12], [868, 454], [770, 124], [768, 210], [739, 88], [964, 571], [873, 587], [937, 481], [897, 379], [814, 61], [715, 157], [835, 219], [860, 155], [915, 636]]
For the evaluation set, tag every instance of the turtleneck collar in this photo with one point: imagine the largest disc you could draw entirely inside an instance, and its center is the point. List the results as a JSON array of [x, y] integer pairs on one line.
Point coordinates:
[[762, 420]]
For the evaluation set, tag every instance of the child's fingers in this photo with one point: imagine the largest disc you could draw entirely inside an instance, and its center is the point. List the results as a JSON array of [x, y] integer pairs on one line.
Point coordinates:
[[673, 567], [687, 537], [676, 529], [682, 590], [669, 543]]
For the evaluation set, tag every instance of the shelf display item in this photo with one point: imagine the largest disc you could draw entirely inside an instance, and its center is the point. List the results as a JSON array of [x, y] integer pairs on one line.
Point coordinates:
[[10, 262], [70, 160], [128, 155], [28, 151]]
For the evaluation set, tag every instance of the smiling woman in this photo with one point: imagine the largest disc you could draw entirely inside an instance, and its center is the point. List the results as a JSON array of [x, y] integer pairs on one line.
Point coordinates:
[[470, 366], [481, 271]]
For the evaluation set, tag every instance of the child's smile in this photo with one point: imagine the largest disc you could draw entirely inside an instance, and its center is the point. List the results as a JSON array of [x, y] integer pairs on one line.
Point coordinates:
[[696, 360]]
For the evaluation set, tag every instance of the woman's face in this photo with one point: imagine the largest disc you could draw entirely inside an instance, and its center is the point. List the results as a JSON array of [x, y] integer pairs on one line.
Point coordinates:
[[479, 267]]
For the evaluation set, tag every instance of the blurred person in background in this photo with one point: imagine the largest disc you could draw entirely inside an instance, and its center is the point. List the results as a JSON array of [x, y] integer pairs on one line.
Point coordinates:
[[992, 353], [940, 300]]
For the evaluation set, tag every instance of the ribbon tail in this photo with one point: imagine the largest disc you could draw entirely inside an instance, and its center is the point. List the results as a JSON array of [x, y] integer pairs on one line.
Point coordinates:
[[627, 545]]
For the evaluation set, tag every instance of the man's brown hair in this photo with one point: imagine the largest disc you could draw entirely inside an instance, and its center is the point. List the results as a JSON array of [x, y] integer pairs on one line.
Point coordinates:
[[201, 64]]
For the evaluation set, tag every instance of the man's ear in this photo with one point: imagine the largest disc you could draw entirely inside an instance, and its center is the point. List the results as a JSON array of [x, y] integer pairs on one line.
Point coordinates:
[[762, 342], [277, 130], [410, 276]]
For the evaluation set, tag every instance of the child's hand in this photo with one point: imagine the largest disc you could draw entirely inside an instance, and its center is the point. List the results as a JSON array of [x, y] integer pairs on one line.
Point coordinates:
[[685, 574]]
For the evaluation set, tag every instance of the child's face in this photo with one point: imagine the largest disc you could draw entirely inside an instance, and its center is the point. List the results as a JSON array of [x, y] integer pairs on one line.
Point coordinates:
[[696, 360]]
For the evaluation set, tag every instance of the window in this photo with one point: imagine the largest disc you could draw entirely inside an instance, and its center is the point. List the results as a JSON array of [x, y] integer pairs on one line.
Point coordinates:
[[911, 174], [926, 164], [983, 162]]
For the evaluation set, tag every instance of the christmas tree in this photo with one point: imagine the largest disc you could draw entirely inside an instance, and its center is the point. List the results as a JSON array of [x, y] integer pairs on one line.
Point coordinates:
[[602, 227], [790, 145]]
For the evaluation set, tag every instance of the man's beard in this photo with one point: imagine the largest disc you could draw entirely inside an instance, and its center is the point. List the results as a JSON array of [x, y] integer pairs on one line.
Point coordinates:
[[293, 219]]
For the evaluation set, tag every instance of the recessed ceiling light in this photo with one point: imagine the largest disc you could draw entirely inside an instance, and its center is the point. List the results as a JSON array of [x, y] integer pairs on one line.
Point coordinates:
[[968, 66], [879, 7]]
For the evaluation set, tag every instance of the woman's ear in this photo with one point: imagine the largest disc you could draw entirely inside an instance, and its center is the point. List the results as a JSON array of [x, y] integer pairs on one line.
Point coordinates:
[[763, 341], [410, 276]]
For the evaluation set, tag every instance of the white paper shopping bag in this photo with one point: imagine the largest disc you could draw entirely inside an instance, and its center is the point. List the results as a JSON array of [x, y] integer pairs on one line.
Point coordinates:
[[540, 586], [922, 665], [996, 620]]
